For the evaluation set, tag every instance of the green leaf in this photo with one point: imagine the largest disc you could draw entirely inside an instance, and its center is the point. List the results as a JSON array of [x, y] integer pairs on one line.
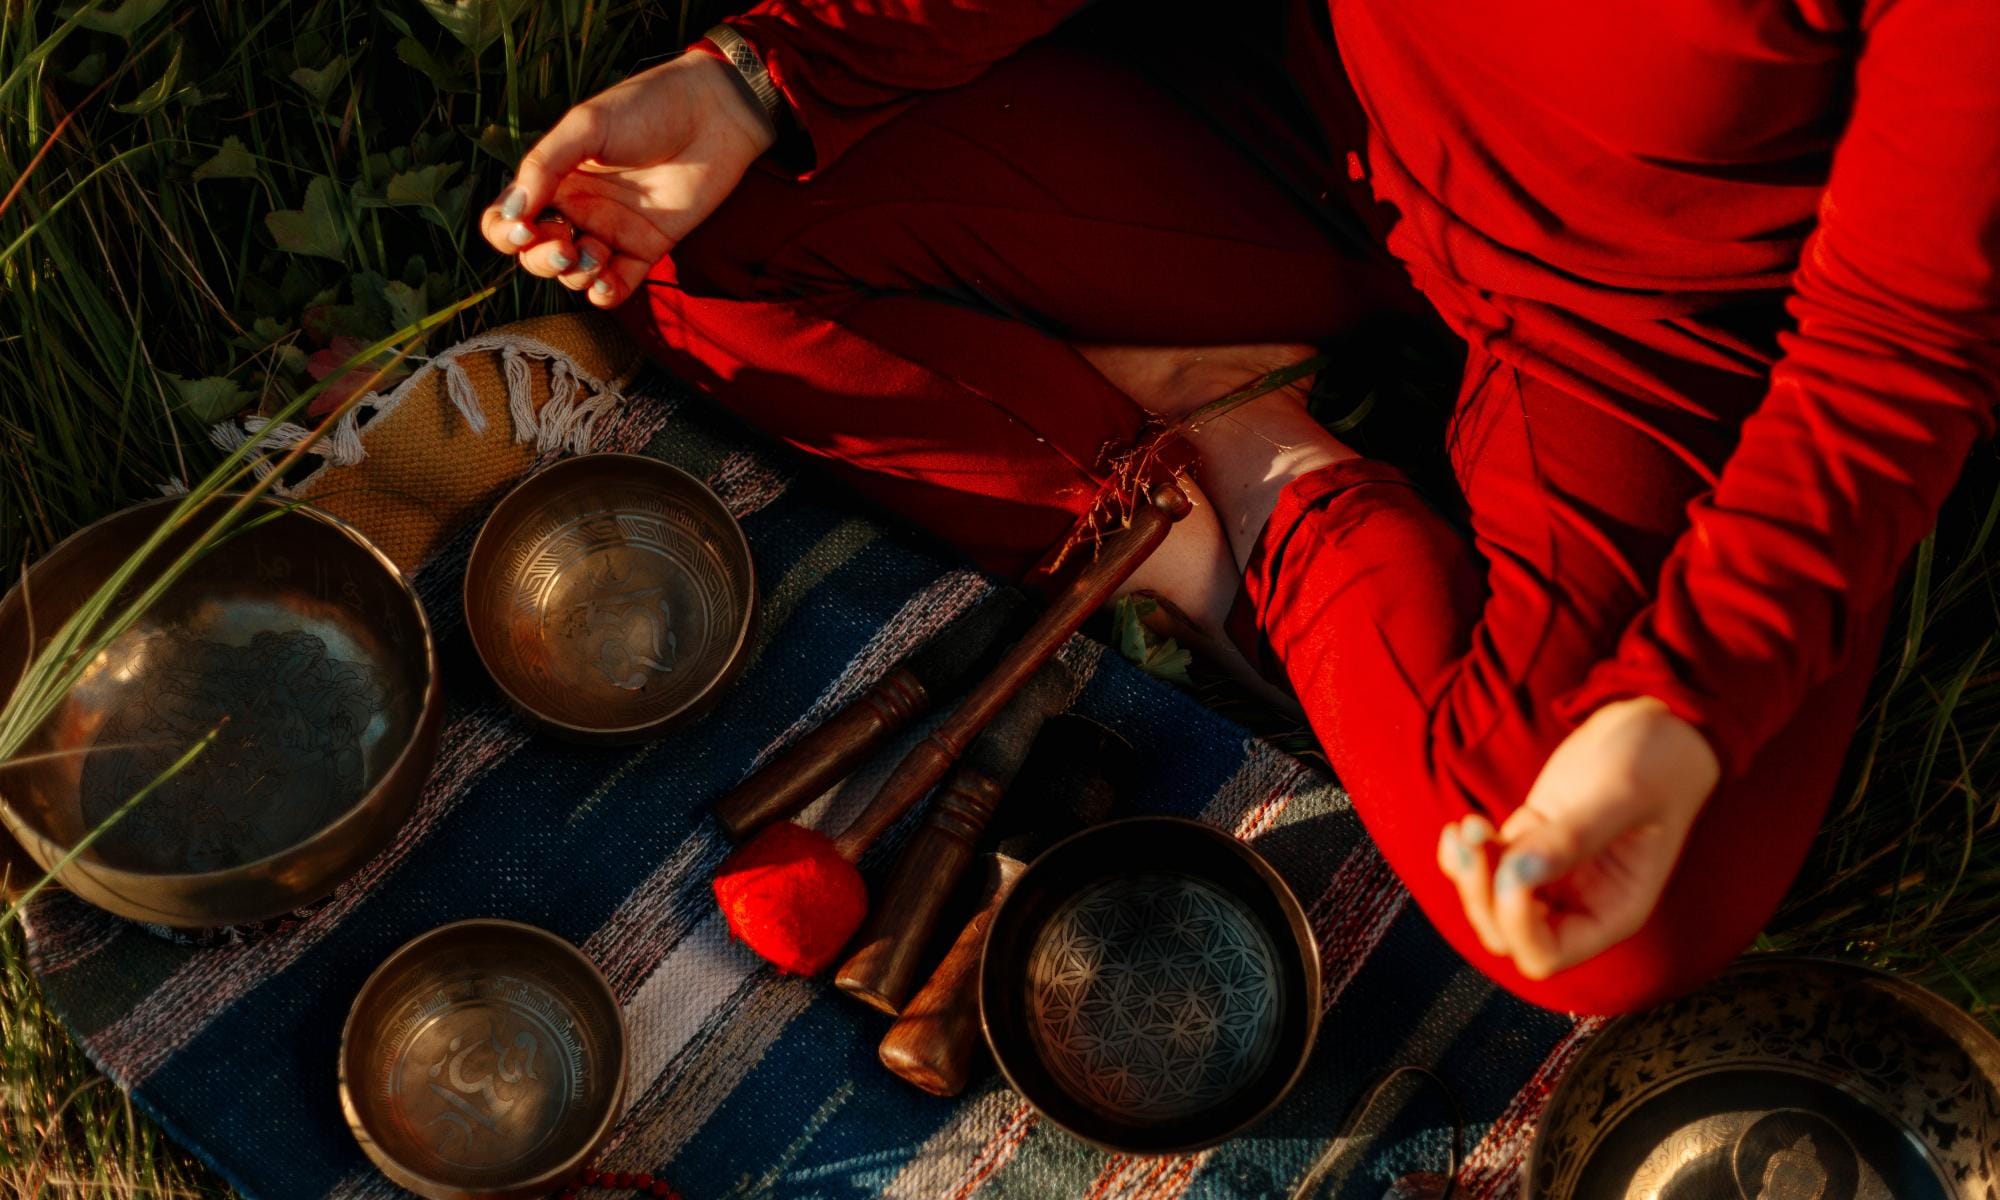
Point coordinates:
[[376, 168], [1168, 661], [1162, 659], [212, 399], [301, 286], [266, 330], [407, 305], [162, 90], [446, 77], [475, 23], [233, 161], [1126, 629], [496, 141], [123, 20], [315, 229], [325, 322], [89, 72], [369, 291], [319, 84], [422, 185], [452, 206]]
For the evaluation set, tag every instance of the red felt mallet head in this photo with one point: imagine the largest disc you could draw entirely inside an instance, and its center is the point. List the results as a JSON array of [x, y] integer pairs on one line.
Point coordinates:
[[791, 897]]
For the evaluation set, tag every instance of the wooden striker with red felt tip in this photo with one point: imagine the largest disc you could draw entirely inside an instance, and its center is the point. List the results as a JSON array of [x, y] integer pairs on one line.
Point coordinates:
[[792, 894]]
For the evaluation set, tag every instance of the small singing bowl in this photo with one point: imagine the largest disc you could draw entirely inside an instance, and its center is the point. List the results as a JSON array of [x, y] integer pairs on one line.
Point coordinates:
[[1151, 985], [300, 641], [485, 1058], [611, 597], [1781, 1077]]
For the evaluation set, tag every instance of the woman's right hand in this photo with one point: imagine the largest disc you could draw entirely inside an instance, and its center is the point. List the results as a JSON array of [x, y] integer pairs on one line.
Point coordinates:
[[632, 170]]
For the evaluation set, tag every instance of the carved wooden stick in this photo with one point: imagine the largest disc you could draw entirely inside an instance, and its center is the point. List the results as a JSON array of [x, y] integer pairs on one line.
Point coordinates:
[[932, 1042], [1075, 778], [960, 651], [885, 965], [927, 762]]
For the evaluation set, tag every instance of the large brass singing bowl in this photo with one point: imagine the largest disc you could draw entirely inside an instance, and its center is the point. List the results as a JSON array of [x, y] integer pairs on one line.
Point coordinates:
[[1783, 1079], [611, 597], [1151, 985], [484, 1059], [305, 645]]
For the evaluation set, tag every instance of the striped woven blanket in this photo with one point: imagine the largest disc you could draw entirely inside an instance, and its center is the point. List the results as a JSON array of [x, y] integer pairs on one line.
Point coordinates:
[[746, 1082]]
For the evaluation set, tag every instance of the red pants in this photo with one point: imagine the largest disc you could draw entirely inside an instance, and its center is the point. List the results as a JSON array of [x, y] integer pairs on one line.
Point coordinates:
[[905, 317]]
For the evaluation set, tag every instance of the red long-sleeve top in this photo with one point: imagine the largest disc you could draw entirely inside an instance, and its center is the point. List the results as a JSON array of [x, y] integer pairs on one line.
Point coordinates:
[[1560, 168]]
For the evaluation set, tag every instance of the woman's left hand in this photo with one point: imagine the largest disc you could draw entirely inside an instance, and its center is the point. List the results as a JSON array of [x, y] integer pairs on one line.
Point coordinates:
[[1581, 865]]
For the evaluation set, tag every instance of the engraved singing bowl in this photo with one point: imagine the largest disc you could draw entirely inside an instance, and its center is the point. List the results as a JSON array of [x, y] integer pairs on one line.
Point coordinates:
[[611, 597], [1151, 985], [485, 1058], [1783, 1079], [295, 629]]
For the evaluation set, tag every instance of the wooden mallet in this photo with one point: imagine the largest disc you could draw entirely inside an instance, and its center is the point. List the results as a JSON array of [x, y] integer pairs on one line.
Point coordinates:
[[883, 968], [963, 650], [1077, 775], [793, 894]]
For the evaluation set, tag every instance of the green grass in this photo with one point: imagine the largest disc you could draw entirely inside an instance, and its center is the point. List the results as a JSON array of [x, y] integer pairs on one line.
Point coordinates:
[[203, 200], [205, 204], [236, 186], [64, 1130]]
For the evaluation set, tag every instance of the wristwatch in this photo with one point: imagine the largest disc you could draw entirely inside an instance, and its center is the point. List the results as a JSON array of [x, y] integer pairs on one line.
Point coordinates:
[[749, 68]]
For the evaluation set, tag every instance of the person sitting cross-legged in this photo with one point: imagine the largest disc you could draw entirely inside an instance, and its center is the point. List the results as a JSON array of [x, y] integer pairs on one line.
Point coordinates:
[[1726, 277]]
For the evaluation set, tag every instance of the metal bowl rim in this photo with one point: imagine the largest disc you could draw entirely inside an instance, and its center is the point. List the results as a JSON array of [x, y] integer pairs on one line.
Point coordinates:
[[432, 695], [482, 545], [1295, 920], [1946, 1016], [416, 945]]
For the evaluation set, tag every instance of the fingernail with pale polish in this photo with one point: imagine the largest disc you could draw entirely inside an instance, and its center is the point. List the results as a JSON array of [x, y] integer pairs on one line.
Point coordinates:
[[520, 235], [589, 263], [1521, 870], [601, 287], [562, 261], [1475, 833], [513, 202], [1454, 848]]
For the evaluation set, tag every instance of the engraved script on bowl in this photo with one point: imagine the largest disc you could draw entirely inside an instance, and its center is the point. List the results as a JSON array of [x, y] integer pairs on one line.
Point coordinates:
[[486, 1068]]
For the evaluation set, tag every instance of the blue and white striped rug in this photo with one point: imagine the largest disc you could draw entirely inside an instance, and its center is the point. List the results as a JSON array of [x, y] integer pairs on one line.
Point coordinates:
[[745, 1082]]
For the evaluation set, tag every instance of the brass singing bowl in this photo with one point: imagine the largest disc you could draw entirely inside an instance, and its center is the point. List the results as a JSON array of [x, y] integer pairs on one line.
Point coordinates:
[[483, 1059], [1151, 985], [1783, 1079], [309, 648], [611, 597]]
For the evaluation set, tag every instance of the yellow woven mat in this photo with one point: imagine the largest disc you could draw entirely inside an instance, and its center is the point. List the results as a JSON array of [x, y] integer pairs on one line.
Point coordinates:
[[439, 450]]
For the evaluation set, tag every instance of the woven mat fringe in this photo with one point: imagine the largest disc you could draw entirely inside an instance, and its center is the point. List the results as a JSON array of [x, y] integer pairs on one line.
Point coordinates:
[[569, 421]]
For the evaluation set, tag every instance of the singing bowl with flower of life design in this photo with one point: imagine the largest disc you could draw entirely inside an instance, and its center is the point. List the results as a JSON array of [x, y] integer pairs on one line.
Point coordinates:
[[1782, 1079], [611, 597], [484, 1058], [297, 642], [1151, 985]]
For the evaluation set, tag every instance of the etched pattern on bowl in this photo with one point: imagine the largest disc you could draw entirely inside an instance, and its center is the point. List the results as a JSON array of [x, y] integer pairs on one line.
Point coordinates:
[[1154, 996]]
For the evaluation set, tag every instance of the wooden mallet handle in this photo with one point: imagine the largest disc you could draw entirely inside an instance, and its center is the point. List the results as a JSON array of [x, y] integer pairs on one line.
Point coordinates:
[[822, 758], [882, 972], [929, 759], [932, 1043]]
